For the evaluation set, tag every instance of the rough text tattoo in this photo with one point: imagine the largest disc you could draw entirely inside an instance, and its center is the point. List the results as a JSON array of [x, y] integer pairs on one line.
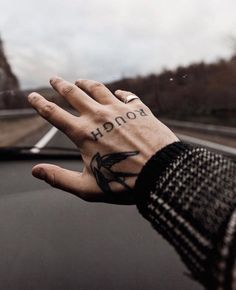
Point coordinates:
[[117, 122], [101, 167]]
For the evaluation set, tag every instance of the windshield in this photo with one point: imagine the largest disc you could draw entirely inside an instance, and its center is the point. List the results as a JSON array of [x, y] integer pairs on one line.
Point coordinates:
[[178, 56]]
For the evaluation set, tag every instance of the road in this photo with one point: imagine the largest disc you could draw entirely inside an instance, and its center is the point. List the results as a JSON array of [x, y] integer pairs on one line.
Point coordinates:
[[50, 239]]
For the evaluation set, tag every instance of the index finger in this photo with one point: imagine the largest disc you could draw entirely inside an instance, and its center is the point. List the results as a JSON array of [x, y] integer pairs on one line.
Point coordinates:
[[58, 117]]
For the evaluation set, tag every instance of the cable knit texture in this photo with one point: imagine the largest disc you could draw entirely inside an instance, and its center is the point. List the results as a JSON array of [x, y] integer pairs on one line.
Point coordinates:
[[189, 196]]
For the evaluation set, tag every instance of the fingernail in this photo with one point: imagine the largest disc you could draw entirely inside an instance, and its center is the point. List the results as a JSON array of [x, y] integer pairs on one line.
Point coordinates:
[[54, 79], [79, 81], [39, 172], [32, 97]]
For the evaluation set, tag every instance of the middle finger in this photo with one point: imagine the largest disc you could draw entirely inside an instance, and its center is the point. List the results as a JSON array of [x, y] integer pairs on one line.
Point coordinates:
[[97, 91], [74, 95]]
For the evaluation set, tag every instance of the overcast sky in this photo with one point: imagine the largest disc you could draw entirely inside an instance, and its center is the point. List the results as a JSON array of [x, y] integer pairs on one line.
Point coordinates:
[[108, 39]]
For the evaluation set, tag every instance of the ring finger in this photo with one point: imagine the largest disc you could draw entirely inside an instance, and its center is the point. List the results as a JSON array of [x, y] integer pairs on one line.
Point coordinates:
[[123, 95]]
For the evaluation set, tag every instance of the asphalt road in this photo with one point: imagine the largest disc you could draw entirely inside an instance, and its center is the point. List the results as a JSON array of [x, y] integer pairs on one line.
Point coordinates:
[[50, 239]]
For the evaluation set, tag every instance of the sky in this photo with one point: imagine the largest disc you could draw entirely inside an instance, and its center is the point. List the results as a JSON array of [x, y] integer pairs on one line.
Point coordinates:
[[109, 39]]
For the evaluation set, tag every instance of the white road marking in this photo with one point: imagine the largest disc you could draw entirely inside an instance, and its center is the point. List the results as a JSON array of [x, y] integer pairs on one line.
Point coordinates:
[[44, 140], [209, 144]]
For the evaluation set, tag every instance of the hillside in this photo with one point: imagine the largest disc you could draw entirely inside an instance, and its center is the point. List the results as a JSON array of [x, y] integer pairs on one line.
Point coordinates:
[[202, 92]]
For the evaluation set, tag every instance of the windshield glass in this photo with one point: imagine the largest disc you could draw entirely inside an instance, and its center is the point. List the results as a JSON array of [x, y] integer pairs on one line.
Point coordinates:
[[178, 56]]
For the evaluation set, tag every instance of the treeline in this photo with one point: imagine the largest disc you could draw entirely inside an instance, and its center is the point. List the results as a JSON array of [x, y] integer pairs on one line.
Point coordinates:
[[198, 92]]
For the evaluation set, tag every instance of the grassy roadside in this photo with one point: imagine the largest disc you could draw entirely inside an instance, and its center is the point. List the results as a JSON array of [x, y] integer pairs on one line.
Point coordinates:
[[12, 131]]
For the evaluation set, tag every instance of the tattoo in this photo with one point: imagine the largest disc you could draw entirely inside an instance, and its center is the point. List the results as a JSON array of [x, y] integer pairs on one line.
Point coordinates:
[[103, 173], [118, 121], [96, 134]]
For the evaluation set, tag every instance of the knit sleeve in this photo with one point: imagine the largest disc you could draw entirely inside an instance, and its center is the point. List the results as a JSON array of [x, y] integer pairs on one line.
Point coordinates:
[[189, 196]]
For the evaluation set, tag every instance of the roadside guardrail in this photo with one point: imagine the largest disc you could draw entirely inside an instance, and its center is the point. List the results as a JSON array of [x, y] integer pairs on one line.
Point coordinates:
[[8, 114], [208, 128]]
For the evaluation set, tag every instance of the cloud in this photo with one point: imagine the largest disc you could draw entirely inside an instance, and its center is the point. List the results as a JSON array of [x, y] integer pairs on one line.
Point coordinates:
[[105, 40]]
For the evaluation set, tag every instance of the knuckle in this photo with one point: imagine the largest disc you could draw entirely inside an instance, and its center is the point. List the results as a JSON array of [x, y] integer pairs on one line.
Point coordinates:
[[67, 129], [79, 82], [52, 179], [95, 87], [101, 114], [73, 131], [49, 177], [80, 133], [47, 110], [67, 90], [55, 81]]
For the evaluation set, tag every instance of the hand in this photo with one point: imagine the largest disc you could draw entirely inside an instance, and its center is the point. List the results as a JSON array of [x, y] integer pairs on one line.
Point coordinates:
[[115, 140]]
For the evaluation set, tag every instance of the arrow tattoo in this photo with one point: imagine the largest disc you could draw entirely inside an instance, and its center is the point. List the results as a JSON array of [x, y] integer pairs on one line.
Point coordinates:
[[103, 173]]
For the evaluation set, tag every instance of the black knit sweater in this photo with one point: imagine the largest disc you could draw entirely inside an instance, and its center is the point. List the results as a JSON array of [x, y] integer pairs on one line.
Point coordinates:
[[189, 196]]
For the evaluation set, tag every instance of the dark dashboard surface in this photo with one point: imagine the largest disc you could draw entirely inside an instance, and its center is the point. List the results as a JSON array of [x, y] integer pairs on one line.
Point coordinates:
[[53, 240]]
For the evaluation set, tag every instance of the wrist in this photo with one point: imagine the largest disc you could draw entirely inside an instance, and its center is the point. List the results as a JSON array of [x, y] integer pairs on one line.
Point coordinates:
[[154, 168]]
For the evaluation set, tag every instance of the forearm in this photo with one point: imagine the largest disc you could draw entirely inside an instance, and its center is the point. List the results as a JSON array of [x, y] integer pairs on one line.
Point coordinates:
[[189, 195]]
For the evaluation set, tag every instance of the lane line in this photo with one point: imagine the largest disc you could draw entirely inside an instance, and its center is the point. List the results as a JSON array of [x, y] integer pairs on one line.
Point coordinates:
[[209, 144], [44, 140]]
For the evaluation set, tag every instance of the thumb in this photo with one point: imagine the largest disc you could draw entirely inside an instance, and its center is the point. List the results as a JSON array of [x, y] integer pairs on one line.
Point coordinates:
[[68, 180]]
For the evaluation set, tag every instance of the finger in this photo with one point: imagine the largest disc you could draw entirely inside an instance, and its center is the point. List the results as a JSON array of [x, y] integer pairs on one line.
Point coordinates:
[[77, 183], [74, 95], [58, 117], [97, 91], [122, 95]]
